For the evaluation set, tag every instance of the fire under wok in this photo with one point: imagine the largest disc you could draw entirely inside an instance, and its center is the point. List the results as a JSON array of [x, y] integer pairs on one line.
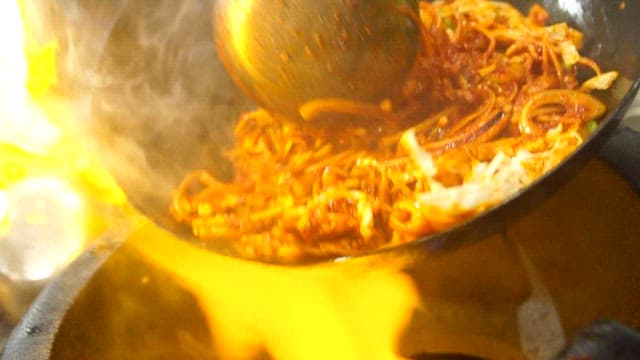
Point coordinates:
[[159, 103]]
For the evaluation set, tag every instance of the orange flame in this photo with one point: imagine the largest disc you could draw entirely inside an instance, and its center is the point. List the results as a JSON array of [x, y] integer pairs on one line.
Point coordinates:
[[37, 142], [318, 312]]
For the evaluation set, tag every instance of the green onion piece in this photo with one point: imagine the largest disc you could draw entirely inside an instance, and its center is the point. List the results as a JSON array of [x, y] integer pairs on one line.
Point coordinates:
[[448, 22], [590, 126]]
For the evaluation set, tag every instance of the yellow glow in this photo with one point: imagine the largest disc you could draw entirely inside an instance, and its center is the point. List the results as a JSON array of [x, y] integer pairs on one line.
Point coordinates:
[[43, 160], [239, 11], [4, 212], [40, 59], [37, 131], [42, 73], [44, 230], [323, 312], [22, 124]]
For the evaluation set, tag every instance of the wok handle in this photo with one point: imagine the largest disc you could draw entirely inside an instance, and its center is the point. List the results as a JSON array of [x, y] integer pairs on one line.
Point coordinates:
[[622, 151]]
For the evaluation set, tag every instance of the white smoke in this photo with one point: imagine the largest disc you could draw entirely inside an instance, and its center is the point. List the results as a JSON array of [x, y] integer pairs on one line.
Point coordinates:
[[148, 89]]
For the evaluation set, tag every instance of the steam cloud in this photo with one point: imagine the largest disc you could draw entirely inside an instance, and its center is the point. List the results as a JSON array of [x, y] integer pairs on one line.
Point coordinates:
[[151, 93]]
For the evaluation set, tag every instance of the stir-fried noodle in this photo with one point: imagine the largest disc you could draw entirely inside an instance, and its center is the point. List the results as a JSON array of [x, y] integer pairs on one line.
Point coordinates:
[[494, 102]]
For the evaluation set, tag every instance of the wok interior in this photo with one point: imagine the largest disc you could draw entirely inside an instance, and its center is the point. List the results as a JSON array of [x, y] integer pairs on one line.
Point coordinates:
[[161, 103]]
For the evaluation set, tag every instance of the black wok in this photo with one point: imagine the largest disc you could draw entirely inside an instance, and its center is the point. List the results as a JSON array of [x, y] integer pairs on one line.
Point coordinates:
[[160, 103]]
